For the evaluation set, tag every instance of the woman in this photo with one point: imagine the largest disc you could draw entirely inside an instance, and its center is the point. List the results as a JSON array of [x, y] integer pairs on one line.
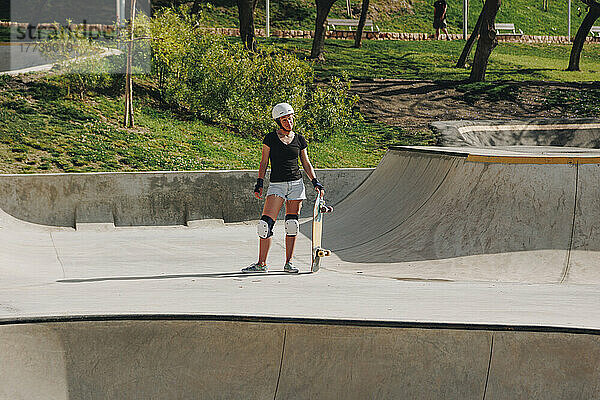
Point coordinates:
[[282, 148]]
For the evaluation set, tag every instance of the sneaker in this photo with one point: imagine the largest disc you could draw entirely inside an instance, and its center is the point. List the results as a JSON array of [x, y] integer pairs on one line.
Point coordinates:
[[288, 267], [256, 267]]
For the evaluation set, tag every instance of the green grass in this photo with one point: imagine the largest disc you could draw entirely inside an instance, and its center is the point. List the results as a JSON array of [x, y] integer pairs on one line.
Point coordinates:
[[45, 131], [404, 16], [435, 60]]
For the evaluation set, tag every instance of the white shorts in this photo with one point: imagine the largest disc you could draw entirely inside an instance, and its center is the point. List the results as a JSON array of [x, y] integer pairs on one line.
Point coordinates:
[[293, 190]]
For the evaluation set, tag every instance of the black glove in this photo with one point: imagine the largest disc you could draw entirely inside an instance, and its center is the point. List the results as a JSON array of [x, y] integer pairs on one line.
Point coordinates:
[[259, 185], [317, 184]]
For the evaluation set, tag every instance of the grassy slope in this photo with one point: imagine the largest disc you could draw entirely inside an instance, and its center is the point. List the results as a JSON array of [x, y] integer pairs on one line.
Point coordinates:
[[405, 16], [45, 130], [42, 133]]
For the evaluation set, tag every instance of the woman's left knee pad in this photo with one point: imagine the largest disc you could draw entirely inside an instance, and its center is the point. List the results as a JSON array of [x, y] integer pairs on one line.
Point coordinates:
[[292, 226]]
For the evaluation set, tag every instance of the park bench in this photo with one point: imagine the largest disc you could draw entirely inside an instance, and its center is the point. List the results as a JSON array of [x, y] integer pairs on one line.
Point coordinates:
[[595, 31], [507, 30], [334, 23]]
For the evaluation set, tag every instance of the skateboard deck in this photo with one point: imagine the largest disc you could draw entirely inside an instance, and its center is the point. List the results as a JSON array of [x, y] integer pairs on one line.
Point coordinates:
[[317, 233]]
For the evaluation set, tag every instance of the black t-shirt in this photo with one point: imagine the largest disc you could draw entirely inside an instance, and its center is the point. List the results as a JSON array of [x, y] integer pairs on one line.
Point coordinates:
[[284, 158], [439, 6]]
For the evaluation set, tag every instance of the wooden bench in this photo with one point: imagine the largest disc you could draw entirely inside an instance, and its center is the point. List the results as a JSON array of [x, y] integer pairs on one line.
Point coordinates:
[[334, 23], [595, 31], [507, 30]]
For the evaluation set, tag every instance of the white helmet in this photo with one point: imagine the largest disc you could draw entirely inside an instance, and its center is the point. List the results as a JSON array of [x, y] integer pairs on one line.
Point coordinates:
[[281, 110]]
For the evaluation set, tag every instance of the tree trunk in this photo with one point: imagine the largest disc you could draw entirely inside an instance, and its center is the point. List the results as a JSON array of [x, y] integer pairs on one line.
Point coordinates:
[[361, 24], [462, 60], [582, 32], [487, 40], [246, 17], [323, 8]]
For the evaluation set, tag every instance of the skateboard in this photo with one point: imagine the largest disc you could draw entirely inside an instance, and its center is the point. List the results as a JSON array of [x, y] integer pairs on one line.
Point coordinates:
[[317, 232]]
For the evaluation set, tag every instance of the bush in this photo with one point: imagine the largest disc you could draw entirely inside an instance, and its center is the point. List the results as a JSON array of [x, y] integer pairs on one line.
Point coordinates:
[[221, 82], [330, 110]]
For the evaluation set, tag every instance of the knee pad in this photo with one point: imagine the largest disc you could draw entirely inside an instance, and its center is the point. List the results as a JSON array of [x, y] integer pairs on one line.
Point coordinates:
[[265, 227], [291, 224]]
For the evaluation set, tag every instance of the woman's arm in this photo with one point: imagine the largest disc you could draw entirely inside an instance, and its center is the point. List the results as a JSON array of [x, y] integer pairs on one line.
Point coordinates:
[[310, 171], [264, 162], [262, 170]]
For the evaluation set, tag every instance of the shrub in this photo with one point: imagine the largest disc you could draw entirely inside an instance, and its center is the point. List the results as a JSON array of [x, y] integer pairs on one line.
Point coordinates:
[[219, 81], [330, 110]]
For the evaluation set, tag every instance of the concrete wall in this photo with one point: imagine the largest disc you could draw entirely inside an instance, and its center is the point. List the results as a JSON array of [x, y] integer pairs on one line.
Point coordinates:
[[151, 198], [259, 360], [583, 132]]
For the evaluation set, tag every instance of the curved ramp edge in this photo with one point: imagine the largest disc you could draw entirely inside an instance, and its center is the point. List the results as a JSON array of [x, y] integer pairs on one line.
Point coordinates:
[[440, 214], [290, 360], [582, 132]]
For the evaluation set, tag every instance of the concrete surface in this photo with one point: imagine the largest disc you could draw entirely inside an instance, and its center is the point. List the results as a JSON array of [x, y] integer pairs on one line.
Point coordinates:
[[439, 215], [456, 274], [259, 360], [150, 198], [23, 58], [583, 132]]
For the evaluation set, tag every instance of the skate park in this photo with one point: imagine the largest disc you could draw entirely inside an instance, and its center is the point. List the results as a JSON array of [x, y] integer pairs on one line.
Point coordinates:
[[464, 270]]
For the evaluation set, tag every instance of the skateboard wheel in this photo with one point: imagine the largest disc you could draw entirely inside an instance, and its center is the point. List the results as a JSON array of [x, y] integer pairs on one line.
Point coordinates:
[[323, 253]]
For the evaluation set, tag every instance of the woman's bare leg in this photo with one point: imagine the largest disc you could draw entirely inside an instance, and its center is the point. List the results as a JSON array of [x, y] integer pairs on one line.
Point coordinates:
[[271, 208], [291, 207]]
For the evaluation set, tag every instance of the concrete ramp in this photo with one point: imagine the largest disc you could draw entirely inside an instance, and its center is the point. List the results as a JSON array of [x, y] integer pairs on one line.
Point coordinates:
[[261, 359], [496, 214], [456, 274], [581, 132]]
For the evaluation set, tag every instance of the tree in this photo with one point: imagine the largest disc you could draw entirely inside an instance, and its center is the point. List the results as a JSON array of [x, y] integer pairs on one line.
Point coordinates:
[[246, 16], [462, 60], [361, 23], [323, 8], [487, 40], [582, 33]]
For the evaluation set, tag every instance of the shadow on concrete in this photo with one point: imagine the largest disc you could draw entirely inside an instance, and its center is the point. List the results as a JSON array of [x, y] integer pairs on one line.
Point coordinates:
[[180, 276]]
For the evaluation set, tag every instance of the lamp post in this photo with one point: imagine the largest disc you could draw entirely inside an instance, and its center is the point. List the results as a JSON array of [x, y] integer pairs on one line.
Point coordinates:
[[569, 23], [466, 18], [268, 19], [120, 12]]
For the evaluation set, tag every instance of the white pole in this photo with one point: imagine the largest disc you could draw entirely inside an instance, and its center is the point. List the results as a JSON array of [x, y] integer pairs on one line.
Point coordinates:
[[569, 21], [122, 9], [268, 19], [348, 8], [466, 18]]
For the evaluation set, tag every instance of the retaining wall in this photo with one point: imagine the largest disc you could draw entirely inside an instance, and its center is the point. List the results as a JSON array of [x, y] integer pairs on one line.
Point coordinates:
[[152, 198], [350, 35]]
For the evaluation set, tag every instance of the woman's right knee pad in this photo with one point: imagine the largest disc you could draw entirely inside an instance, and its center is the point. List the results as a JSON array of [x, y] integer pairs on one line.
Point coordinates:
[[265, 227]]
